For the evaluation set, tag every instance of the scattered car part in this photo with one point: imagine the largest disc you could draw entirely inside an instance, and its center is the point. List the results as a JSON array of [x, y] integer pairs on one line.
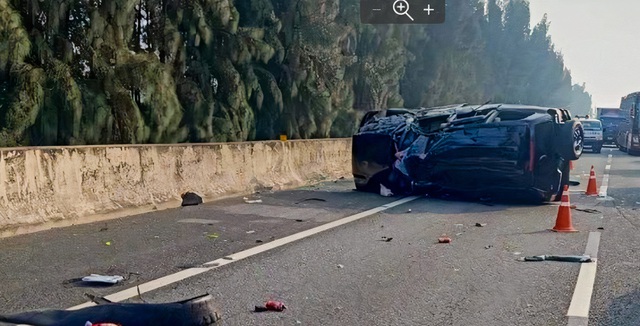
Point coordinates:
[[198, 311]]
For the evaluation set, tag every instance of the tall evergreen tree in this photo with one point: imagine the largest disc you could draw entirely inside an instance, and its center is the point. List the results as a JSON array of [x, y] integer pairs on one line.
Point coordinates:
[[152, 71]]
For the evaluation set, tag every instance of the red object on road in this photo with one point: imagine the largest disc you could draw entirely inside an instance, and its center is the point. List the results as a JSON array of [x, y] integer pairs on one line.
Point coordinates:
[[444, 240], [275, 306]]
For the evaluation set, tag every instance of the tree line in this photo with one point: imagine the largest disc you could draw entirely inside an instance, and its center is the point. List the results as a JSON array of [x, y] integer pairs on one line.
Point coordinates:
[[165, 71]]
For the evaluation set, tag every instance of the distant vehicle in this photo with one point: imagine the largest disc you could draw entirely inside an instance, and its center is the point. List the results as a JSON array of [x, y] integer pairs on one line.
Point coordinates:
[[611, 119], [499, 151], [629, 132], [593, 134]]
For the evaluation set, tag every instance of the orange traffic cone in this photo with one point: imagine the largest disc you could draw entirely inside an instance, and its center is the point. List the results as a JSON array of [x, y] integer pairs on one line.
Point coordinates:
[[592, 188], [563, 221]]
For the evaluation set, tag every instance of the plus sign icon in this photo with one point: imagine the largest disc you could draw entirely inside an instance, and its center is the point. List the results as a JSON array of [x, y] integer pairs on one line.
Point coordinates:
[[402, 11]]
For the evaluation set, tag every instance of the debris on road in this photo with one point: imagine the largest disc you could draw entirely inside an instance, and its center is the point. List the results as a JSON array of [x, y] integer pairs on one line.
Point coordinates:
[[109, 279], [253, 201], [409, 210], [600, 228], [271, 306], [194, 311], [340, 266], [212, 236], [481, 225], [311, 199], [249, 232], [96, 299], [384, 191], [108, 243], [488, 247], [586, 210], [444, 240], [299, 220], [563, 258], [190, 199], [259, 241], [385, 239]]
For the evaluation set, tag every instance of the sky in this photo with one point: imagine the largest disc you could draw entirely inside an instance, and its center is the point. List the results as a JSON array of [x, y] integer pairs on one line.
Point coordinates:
[[600, 42]]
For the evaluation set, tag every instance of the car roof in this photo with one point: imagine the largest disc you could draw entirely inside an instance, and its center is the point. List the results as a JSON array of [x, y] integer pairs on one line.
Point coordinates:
[[593, 120]]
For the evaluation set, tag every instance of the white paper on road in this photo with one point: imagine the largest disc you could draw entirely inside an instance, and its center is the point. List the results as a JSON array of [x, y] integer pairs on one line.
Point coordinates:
[[103, 279]]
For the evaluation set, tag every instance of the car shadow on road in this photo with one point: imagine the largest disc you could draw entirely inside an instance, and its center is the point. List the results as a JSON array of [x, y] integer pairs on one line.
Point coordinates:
[[623, 311], [455, 205]]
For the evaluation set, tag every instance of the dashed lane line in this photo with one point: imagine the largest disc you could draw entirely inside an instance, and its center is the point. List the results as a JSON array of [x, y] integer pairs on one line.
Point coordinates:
[[605, 178], [187, 273], [578, 313]]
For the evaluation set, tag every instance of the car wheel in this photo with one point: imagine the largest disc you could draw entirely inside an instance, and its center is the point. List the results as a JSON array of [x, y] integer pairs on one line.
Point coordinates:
[[571, 140]]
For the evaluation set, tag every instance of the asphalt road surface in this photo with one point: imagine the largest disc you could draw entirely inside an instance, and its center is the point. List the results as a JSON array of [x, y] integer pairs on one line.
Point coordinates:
[[325, 252]]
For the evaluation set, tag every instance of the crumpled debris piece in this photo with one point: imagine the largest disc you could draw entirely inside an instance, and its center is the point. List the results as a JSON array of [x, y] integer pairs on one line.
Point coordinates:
[[271, 306], [195, 311], [96, 278], [586, 210], [563, 258], [190, 199], [444, 240], [386, 192]]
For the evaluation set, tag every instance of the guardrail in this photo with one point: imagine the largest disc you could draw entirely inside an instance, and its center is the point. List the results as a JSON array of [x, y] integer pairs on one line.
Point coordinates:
[[44, 187]]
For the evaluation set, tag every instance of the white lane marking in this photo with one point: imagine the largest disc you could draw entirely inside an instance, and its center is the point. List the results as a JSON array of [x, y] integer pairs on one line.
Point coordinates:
[[581, 300], [604, 187], [184, 274]]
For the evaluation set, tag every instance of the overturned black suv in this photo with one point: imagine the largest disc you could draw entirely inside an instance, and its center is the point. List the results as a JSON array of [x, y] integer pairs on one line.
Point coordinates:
[[495, 151]]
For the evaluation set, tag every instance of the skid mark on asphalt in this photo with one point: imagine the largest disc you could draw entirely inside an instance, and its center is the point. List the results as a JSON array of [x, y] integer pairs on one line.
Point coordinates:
[[581, 301], [187, 273]]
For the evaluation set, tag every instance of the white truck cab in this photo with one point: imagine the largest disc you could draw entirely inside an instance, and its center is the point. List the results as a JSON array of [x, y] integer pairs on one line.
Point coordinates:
[[593, 134]]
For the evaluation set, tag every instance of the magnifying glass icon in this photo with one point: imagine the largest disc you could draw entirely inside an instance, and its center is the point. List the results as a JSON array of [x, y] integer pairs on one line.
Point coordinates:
[[401, 7]]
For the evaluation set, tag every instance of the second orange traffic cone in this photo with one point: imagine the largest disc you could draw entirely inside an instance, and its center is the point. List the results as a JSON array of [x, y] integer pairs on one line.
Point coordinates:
[[592, 188], [563, 221]]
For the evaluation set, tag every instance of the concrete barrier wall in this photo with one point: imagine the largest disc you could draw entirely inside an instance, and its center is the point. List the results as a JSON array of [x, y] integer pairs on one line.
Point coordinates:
[[55, 186]]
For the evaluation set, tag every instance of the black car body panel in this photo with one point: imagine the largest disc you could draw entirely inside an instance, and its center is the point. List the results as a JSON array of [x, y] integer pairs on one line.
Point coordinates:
[[503, 151]]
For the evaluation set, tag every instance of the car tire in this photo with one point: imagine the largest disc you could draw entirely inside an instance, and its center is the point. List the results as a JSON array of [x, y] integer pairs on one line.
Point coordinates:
[[571, 142]]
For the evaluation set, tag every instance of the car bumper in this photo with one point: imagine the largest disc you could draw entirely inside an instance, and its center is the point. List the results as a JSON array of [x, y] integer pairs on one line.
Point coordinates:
[[592, 143]]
